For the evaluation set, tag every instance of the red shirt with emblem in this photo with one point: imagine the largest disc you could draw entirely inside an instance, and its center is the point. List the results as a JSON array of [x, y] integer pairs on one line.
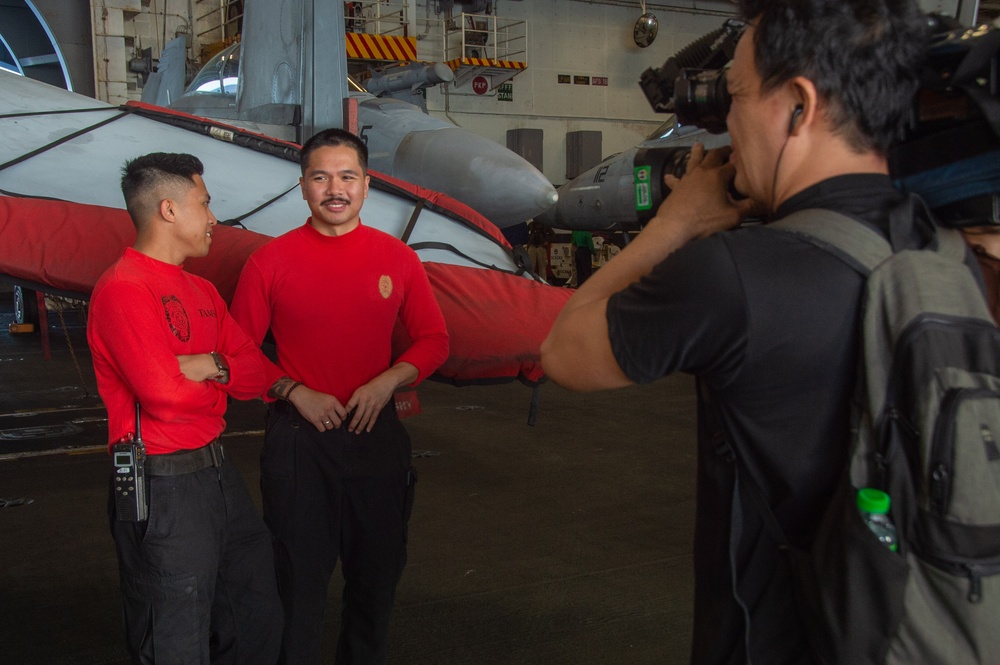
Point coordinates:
[[143, 314], [332, 303]]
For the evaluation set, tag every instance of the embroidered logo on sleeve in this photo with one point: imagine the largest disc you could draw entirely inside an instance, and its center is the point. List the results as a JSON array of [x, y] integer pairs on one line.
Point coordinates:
[[385, 286], [177, 318]]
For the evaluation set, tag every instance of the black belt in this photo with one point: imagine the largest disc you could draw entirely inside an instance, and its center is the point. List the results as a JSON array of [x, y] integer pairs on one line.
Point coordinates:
[[185, 461], [288, 410], [283, 407]]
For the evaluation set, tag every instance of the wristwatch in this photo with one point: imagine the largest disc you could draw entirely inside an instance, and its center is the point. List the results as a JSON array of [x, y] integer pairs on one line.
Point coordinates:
[[222, 376]]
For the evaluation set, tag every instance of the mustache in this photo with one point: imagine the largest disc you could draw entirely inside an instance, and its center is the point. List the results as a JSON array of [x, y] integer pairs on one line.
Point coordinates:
[[335, 199]]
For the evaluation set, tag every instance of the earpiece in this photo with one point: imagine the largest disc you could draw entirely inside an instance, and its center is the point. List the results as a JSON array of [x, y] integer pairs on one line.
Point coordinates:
[[796, 114]]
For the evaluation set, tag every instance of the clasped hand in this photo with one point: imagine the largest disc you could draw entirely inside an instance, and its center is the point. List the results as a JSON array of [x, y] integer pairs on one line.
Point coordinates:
[[325, 412]]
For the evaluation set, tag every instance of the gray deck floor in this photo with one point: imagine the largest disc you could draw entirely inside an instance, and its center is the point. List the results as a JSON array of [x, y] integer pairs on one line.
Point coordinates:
[[565, 542]]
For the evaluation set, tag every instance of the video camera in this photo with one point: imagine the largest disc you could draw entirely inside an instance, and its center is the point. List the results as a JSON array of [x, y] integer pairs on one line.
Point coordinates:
[[950, 155], [692, 83]]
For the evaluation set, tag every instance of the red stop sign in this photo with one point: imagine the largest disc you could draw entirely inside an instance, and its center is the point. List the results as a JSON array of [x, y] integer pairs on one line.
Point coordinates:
[[480, 85]]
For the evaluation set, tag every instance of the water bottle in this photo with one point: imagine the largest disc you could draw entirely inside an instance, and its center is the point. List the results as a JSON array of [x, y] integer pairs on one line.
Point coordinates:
[[874, 507]]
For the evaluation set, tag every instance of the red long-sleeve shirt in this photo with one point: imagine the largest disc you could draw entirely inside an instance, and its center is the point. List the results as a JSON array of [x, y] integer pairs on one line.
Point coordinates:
[[332, 302], [143, 314]]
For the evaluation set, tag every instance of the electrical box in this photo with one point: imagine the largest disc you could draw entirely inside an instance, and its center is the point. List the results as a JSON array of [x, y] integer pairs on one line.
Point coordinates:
[[528, 144], [583, 151]]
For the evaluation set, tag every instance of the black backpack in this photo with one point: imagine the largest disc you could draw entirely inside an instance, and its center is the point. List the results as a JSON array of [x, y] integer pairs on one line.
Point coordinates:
[[926, 431]]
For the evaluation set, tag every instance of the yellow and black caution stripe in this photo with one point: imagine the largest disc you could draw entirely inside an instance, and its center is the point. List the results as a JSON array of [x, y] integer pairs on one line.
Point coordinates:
[[486, 62], [381, 47]]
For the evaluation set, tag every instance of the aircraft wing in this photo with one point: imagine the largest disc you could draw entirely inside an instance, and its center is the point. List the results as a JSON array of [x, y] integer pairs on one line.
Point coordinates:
[[62, 219]]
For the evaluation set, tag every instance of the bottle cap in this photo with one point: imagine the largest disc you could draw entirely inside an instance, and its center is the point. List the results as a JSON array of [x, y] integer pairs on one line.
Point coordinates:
[[871, 500]]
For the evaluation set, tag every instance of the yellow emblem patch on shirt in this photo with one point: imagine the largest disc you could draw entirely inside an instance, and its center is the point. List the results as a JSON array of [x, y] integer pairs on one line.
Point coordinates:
[[385, 286]]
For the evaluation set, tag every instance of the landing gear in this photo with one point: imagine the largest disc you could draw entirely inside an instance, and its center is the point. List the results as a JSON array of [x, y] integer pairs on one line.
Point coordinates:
[[25, 306]]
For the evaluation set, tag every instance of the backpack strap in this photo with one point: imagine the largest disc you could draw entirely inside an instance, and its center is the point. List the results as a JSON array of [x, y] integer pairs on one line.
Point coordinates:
[[861, 247], [845, 237], [951, 244]]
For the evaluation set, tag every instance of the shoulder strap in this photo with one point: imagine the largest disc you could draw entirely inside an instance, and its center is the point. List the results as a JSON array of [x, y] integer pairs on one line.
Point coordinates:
[[951, 244], [848, 239], [858, 245]]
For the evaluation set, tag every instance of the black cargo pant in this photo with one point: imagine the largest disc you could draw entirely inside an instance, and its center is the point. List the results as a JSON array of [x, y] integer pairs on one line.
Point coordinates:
[[198, 576], [330, 495]]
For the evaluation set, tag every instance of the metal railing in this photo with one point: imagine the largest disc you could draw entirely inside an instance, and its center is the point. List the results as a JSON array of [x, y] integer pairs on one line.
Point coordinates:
[[478, 36], [224, 16], [377, 17]]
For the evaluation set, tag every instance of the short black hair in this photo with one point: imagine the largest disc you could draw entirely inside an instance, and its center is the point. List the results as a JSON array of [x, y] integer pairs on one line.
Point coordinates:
[[862, 55], [333, 138], [144, 177]]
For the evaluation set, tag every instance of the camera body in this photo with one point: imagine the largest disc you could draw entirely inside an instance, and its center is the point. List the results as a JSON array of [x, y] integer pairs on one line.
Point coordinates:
[[691, 84], [650, 165], [951, 153]]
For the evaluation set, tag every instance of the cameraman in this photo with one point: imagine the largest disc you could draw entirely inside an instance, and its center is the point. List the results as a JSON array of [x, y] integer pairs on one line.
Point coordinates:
[[768, 322]]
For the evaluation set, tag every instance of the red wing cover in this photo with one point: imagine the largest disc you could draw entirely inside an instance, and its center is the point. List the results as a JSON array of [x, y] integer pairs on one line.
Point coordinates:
[[67, 246], [496, 320]]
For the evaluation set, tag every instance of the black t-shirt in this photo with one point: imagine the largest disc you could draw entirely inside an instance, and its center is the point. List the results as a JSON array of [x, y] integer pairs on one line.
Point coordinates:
[[769, 324]]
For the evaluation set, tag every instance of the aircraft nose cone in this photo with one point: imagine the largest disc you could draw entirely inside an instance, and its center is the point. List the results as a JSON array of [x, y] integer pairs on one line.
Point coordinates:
[[496, 182]]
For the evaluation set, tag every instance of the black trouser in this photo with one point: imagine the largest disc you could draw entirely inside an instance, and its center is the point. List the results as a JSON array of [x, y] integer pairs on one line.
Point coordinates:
[[198, 576], [330, 495]]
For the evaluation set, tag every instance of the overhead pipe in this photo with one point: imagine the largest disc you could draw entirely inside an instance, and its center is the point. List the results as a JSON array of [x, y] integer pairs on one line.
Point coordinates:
[[692, 9]]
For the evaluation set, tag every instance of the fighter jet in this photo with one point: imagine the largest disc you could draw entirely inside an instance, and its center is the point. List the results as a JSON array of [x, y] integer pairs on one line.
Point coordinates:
[[403, 141], [625, 189]]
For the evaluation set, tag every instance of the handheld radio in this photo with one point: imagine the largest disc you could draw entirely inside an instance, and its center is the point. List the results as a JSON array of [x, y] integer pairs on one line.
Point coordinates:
[[129, 456]]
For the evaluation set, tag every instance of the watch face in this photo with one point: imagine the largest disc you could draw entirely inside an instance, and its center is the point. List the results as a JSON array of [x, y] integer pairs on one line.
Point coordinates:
[[645, 30]]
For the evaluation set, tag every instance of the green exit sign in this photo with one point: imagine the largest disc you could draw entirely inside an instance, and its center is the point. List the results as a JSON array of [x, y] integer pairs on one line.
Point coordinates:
[[505, 92]]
